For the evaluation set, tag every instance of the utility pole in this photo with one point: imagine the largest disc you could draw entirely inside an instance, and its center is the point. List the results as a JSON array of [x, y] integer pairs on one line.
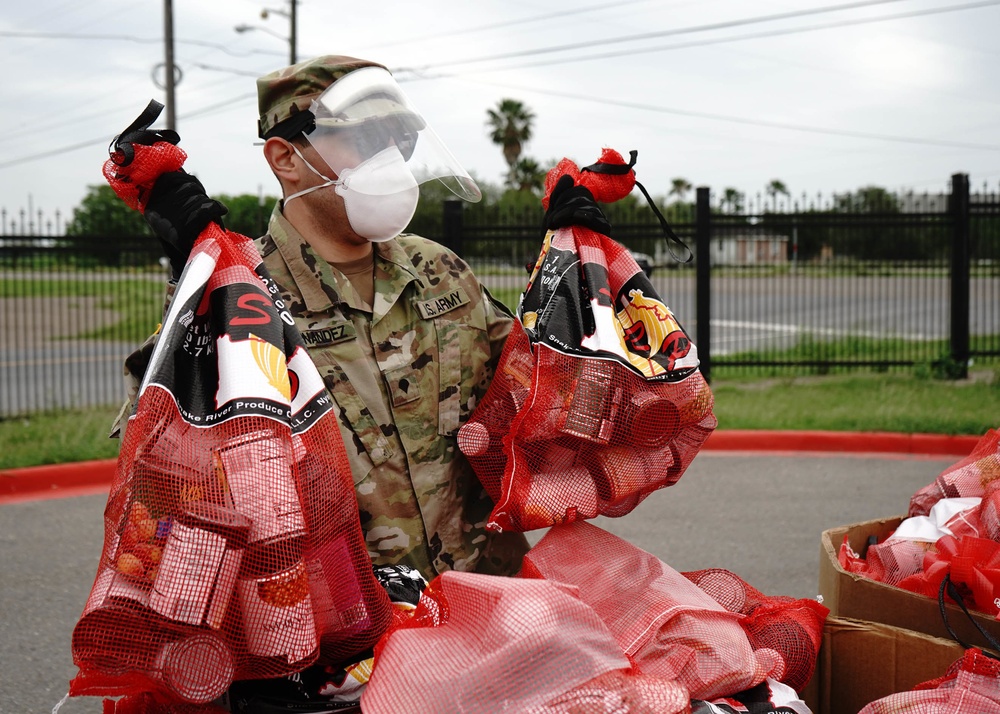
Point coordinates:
[[168, 41], [291, 36], [291, 13]]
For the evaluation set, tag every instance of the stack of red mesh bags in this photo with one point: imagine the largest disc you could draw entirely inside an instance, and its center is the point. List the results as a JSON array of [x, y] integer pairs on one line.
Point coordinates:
[[597, 400], [593, 624], [233, 548], [952, 532]]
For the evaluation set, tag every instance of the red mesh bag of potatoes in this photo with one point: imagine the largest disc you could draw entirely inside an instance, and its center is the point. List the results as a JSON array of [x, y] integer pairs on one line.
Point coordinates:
[[489, 643], [667, 625], [232, 542], [792, 628], [484, 643], [597, 400]]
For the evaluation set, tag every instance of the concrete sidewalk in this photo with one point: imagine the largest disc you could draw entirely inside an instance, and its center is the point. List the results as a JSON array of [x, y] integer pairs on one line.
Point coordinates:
[[758, 514]]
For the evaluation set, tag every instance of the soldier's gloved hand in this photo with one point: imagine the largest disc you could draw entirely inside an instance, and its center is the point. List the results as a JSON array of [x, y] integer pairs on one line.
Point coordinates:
[[178, 210], [572, 205]]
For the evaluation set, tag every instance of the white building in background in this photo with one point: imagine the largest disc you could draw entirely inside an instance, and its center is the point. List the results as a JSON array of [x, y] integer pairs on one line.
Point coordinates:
[[750, 249], [910, 202]]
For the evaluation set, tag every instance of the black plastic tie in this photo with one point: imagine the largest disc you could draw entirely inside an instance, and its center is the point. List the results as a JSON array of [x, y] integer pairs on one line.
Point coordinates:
[[122, 148]]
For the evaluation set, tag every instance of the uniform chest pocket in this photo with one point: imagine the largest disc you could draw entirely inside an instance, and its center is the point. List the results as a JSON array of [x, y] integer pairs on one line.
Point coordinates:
[[440, 364], [450, 400], [464, 350], [404, 385]]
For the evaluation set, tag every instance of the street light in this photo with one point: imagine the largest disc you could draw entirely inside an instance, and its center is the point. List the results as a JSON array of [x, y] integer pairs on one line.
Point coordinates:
[[291, 15], [268, 30]]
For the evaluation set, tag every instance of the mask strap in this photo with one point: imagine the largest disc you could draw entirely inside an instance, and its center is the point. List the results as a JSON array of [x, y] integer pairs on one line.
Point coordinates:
[[668, 232], [328, 181]]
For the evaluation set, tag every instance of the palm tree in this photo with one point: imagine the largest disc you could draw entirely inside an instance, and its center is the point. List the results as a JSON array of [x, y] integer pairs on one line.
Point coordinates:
[[679, 187], [732, 199], [510, 128], [529, 175], [776, 187]]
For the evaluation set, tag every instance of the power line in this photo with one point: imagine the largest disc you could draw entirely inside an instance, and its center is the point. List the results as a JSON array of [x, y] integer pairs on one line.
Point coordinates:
[[229, 70], [667, 33], [105, 140], [76, 119], [604, 100], [667, 110], [132, 38], [511, 23], [54, 152], [227, 103], [713, 41]]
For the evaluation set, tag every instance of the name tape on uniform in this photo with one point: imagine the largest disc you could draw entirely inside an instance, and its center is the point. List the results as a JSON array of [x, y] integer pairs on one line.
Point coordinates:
[[328, 335], [442, 304]]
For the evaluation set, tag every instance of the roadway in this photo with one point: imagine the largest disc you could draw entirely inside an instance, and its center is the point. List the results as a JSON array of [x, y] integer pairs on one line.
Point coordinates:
[[757, 514], [43, 366]]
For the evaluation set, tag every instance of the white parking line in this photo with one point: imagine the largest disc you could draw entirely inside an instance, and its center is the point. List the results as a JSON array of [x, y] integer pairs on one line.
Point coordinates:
[[825, 331]]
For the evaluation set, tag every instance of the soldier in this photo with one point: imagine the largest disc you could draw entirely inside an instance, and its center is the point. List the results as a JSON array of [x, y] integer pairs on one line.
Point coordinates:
[[405, 336]]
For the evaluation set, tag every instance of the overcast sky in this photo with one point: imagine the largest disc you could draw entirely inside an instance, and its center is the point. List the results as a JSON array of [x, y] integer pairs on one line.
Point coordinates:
[[824, 95]]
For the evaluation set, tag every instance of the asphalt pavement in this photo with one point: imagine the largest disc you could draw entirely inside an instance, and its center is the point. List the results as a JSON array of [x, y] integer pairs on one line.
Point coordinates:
[[759, 515]]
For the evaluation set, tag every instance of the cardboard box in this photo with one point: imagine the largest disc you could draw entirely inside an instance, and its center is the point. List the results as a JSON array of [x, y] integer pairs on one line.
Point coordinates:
[[860, 662], [853, 596]]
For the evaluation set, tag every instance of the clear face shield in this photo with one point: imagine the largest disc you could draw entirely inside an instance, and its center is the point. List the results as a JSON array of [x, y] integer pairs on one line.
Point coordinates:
[[365, 117]]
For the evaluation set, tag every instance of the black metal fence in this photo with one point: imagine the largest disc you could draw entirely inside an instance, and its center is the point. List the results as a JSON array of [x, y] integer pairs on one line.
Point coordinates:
[[866, 280]]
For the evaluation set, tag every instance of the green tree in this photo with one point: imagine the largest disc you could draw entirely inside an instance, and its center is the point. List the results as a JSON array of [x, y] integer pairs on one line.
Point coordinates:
[[428, 219], [679, 187], [510, 125], [775, 188], [732, 200], [875, 237], [102, 213], [869, 199], [247, 214], [529, 176]]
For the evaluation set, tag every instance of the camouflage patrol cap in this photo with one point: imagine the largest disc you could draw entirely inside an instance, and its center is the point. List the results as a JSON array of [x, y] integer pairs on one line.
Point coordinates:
[[286, 92]]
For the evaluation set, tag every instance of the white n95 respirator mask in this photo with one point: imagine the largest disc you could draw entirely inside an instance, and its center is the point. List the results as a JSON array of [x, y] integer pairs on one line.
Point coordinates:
[[380, 194]]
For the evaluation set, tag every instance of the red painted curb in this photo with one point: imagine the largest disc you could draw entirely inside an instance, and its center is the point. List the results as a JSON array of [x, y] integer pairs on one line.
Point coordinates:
[[89, 477], [874, 442], [56, 480]]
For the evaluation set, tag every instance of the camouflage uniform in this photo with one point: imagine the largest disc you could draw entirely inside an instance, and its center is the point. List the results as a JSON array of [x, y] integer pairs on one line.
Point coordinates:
[[406, 375]]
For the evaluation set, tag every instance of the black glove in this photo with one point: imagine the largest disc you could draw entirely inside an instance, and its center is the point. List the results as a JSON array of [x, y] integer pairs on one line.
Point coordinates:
[[403, 583], [571, 205], [178, 210]]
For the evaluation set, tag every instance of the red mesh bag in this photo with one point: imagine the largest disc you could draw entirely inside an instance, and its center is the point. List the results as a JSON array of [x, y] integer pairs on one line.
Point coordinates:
[[888, 562], [233, 547], [621, 692], [989, 513], [969, 687], [792, 628], [971, 476], [971, 565], [482, 643], [667, 625], [598, 400]]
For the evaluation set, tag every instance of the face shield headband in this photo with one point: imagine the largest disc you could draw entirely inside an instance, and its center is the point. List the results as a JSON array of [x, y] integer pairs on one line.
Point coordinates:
[[365, 112]]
